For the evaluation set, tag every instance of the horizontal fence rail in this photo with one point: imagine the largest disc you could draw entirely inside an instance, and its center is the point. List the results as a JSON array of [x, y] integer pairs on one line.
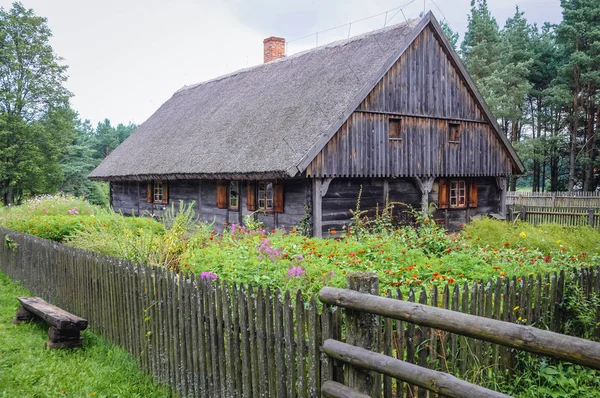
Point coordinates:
[[218, 339], [432, 380], [527, 338]]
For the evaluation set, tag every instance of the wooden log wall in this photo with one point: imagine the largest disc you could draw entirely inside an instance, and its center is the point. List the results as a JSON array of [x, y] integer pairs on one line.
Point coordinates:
[[426, 92], [343, 194], [225, 340], [130, 198]]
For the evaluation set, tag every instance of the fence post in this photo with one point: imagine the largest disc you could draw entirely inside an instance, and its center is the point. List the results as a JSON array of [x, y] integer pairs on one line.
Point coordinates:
[[591, 217], [362, 331]]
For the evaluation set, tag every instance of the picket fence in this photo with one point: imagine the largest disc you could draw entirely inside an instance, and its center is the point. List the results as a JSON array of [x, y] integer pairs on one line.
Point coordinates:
[[568, 216], [581, 199], [216, 339]]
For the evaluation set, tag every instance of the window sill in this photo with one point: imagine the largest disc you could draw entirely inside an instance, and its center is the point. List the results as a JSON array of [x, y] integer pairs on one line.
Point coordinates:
[[454, 142]]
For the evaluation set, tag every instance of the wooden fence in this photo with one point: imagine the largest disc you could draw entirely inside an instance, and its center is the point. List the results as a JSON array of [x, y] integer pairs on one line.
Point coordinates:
[[578, 199], [570, 216], [215, 339], [363, 363]]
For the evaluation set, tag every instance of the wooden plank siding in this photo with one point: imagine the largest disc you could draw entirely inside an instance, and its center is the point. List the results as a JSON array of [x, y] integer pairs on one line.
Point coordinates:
[[425, 90], [129, 197]]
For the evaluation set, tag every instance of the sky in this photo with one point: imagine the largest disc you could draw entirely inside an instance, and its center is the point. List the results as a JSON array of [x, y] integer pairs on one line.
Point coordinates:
[[127, 57]]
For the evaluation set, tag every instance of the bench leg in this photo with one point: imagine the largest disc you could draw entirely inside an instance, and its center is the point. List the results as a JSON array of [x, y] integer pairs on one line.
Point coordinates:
[[63, 338], [22, 316]]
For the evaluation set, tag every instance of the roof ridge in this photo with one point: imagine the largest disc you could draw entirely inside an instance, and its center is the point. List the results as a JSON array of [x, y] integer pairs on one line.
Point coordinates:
[[336, 43]]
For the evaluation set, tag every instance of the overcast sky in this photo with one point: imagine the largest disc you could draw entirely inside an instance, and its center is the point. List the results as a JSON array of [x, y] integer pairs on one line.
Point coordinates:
[[127, 57]]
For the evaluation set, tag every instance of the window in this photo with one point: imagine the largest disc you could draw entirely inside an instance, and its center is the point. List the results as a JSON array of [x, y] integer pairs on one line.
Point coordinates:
[[265, 196], [234, 195], [454, 132], [158, 192], [395, 129], [458, 194]]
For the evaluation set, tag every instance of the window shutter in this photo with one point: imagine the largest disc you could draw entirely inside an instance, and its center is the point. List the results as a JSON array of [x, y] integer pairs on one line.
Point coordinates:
[[278, 197], [221, 195], [443, 198], [473, 194], [250, 197], [165, 186], [150, 192]]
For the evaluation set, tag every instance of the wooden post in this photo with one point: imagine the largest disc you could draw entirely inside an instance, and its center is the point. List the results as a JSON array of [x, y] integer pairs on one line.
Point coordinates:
[[363, 331], [317, 217], [591, 217], [511, 214], [425, 185], [319, 189], [501, 185]]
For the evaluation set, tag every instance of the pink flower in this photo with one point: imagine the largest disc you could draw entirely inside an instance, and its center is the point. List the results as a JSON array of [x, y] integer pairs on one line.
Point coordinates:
[[208, 275], [295, 272]]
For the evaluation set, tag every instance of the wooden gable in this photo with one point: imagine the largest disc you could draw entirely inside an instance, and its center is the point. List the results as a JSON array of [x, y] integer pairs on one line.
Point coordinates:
[[426, 90]]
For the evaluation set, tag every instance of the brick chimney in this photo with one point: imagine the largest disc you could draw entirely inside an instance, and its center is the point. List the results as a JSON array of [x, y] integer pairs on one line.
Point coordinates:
[[274, 48]]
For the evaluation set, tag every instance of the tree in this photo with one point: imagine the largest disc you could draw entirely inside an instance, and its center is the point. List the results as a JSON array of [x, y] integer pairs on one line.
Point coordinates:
[[579, 34], [480, 46], [34, 109]]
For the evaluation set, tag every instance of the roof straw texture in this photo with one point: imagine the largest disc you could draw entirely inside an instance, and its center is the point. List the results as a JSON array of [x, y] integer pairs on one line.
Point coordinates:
[[257, 122]]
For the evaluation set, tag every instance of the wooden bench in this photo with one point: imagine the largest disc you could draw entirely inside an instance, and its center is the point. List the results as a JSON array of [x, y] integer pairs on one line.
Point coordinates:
[[65, 329]]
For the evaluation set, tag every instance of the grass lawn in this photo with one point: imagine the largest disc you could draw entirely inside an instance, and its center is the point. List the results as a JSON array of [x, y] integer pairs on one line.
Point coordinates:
[[27, 369]]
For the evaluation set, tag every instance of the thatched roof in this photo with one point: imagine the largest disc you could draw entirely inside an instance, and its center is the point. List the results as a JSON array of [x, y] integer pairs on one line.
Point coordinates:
[[267, 121]]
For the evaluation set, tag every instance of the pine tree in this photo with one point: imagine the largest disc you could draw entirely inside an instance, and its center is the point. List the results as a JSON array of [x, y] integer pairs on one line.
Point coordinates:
[[579, 34]]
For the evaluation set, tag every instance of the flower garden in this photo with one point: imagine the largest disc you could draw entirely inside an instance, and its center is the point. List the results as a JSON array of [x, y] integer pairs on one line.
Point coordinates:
[[419, 255]]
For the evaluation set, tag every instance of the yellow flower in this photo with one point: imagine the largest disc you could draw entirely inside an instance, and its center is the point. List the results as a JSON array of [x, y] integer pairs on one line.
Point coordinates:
[[516, 308], [539, 230], [558, 241], [523, 235]]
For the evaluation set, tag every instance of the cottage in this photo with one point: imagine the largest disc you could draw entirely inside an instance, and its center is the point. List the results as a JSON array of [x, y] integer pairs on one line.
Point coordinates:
[[393, 112]]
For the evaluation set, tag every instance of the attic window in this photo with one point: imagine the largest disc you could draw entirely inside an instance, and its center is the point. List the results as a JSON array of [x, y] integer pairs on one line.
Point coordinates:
[[454, 133], [395, 129]]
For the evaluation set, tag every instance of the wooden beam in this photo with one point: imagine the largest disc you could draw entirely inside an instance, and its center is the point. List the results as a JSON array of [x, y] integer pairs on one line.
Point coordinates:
[[501, 185], [400, 114], [362, 330], [527, 338], [52, 314], [317, 210], [331, 389], [432, 380]]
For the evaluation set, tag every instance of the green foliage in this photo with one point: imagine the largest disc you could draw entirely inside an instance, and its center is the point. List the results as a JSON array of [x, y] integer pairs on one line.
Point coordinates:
[[547, 238], [144, 240], [59, 217], [28, 370], [579, 312], [541, 378], [36, 123]]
